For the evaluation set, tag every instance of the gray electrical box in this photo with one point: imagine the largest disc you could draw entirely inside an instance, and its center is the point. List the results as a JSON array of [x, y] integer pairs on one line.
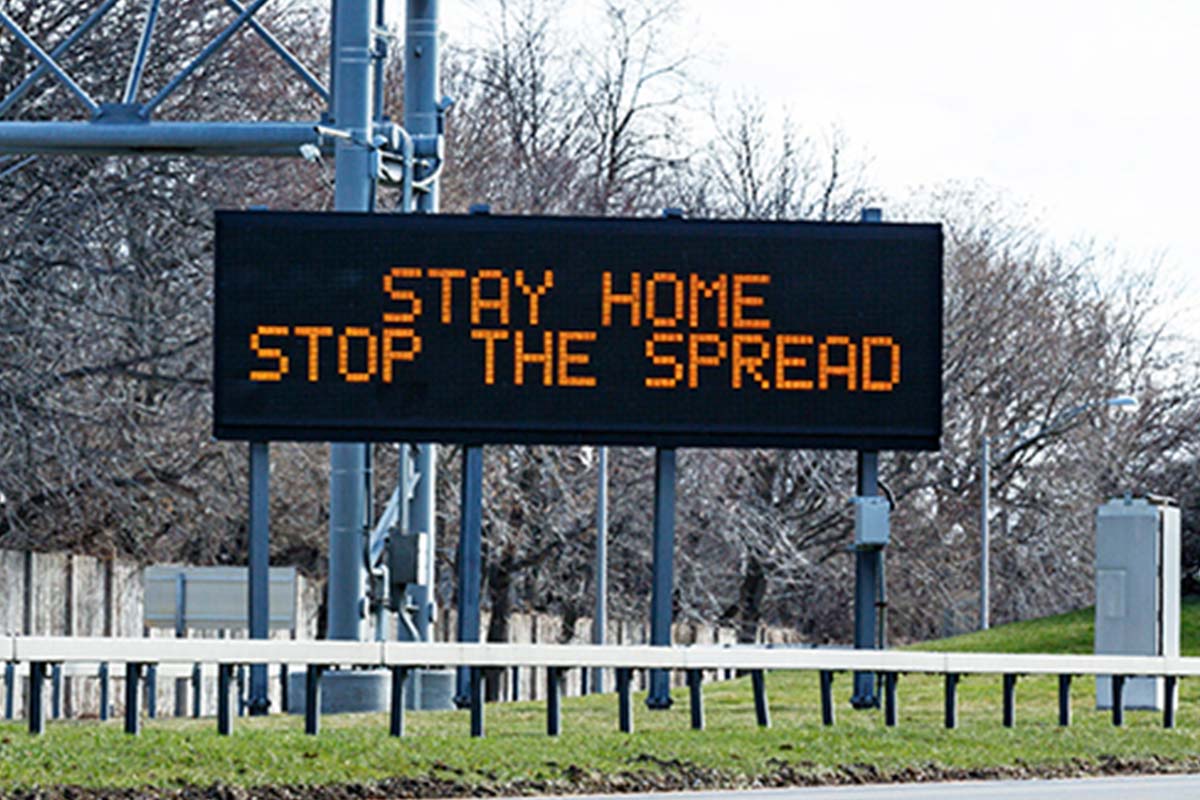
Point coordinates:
[[1137, 591], [407, 557], [871, 528]]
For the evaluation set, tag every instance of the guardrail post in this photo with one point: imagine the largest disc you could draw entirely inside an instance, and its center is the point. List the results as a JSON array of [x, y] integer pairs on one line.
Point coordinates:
[[133, 679], [952, 700], [1118, 700], [624, 700], [476, 687], [10, 688], [224, 713], [284, 700], [695, 680], [1170, 699], [399, 679], [105, 686], [37, 706], [1010, 700], [198, 690], [762, 712], [1064, 700], [827, 713], [515, 680], [56, 691], [312, 699], [151, 690], [241, 690], [553, 701], [889, 699]]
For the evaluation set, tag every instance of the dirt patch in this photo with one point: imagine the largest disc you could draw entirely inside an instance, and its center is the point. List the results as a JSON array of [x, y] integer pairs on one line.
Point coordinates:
[[666, 775]]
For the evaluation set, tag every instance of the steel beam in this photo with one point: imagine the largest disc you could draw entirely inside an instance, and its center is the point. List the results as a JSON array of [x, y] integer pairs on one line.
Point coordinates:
[[664, 571], [470, 546], [259, 595], [157, 138]]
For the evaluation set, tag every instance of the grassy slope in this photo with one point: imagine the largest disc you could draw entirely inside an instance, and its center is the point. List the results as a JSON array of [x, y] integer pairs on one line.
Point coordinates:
[[353, 749]]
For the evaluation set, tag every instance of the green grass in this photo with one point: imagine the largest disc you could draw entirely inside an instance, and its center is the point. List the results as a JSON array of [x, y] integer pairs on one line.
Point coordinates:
[[355, 749]]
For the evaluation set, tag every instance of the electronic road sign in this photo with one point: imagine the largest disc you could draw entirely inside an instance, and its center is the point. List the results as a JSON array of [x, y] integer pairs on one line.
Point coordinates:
[[488, 329]]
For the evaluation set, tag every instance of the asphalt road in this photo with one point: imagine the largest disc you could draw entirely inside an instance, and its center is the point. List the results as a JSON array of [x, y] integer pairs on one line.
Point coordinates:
[[1157, 787]]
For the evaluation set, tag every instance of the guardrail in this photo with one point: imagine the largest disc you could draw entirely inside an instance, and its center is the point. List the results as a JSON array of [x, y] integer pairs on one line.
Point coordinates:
[[41, 653]]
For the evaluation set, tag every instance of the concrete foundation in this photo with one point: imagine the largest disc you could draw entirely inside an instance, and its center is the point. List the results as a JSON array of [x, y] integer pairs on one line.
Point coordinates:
[[369, 691]]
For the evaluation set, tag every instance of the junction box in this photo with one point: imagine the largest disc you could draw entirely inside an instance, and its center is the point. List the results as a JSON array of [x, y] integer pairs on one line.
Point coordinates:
[[1137, 591]]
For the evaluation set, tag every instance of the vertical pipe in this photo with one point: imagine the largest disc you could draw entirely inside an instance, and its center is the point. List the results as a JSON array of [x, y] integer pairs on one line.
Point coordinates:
[[866, 582], [984, 544], [1010, 700], [553, 701], [56, 685], [1170, 700], [890, 711], [476, 686], [1064, 700], [827, 710], [224, 689], [105, 687], [664, 571], [10, 688], [469, 562], [198, 691], [600, 618], [951, 713], [352, 63], [151, 673], [240, 681], [399, 679], [422, 120], [284, 704], [133, 675], [259, 596], [1118, 700], [762, 711], [312, 700], [624, 700], [37, 704], [695, 681]]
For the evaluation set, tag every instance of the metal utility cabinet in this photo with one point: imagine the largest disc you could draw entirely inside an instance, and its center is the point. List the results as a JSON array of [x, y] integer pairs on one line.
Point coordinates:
[[1137, 591]]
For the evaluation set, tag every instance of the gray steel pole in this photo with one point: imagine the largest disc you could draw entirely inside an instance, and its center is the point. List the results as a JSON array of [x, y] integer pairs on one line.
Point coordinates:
[[600, 620], [984, 545], [664, 571], [867, 561], [259, 571], [422, 120], [470, 562], [354, 191]]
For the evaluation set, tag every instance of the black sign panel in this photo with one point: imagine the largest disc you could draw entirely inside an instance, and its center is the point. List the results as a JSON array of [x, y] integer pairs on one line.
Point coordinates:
[[481, 329]]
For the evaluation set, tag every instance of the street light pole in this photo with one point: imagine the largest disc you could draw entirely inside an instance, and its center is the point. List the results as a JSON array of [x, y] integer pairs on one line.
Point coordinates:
[[1056, 425]]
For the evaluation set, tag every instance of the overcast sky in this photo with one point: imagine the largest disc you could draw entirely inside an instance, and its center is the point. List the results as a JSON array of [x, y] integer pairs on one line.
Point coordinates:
[[1088, 112]]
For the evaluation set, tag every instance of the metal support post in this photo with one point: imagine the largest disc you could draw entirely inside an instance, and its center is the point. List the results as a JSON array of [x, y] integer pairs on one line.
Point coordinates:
[[951, 700], [1064, 700], [133, 717], [312, 699], [224, 699], [56, 686], [37, 693], [240, 680], [695, 681], [600, 618], [476, 686], [1118, 700], [198, 691], [105, 688], [354, 190], [259, 612], [423, 113], [151, 673], [553, 701], [664, 571], [762, 711], [399, 679], [469, 563], [624, 700], [827, 709], [1010, 700], [866, 581], [984, 543], [284, 704], [10, 688], [1170, 700], [890, 711]]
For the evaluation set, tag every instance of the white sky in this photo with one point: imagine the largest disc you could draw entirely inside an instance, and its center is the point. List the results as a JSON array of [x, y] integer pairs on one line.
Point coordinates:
[[1087, 111]]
